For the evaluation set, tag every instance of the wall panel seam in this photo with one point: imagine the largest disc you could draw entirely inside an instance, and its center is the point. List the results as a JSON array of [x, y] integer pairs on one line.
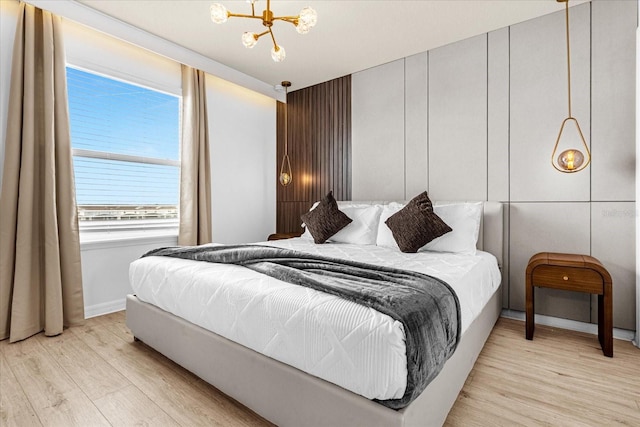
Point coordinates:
[[404, 127], [509, 167], [428, 122], [590, 145], [487, 114]]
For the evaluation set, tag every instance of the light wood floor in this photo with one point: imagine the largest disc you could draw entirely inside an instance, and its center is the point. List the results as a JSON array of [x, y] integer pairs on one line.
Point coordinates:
[[96, 375]]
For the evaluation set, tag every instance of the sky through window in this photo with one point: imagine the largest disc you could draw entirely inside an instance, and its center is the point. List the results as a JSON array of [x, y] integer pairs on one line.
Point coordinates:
[[126, 142]]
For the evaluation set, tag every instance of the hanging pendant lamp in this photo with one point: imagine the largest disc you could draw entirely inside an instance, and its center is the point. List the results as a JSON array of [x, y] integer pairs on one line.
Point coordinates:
[[571, 159], [285, 170]]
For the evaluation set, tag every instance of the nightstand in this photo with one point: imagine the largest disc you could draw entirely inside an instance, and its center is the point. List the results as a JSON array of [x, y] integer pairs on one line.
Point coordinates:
[[280, 236], [570, 272]]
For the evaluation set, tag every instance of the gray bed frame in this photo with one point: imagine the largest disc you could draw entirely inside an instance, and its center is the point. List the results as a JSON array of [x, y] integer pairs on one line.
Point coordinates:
[[287, 396]]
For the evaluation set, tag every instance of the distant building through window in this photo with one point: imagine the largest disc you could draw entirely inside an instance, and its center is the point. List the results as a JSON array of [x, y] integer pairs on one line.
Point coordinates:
[[125, 141]]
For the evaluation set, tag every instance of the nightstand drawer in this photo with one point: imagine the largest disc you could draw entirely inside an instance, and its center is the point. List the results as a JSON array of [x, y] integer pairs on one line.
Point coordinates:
[[568, 278]]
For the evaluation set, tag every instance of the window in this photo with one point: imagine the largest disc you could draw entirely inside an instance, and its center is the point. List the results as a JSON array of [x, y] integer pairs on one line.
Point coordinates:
[[125, 141]]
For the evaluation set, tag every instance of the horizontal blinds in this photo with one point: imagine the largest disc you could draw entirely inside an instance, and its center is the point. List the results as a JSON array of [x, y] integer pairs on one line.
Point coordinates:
[[125, 141], [110, 115], [112, 182]]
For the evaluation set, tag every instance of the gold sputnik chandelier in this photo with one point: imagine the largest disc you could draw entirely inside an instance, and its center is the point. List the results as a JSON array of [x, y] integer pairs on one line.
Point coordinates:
[[571, 159], [303, 22]]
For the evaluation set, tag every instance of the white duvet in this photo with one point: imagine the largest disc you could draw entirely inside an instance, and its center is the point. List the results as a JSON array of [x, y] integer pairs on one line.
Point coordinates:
[[339, 341]]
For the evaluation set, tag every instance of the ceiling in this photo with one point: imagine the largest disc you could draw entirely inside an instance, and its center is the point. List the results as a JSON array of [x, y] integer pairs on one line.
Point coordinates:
[[350, 36]]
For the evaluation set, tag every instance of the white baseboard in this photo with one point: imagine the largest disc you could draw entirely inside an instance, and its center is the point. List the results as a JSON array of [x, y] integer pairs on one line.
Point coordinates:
[[573, 325], [104, 308]]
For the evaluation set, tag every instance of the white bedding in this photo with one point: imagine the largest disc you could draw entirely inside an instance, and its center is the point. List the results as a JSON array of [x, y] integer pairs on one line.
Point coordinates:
[[342, 342]]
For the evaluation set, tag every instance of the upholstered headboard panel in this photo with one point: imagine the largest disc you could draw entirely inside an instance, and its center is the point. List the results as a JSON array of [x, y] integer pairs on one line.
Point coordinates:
[[491, 236]]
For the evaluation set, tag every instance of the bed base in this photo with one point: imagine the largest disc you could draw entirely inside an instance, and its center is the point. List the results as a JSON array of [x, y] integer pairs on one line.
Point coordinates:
[[287, 396]]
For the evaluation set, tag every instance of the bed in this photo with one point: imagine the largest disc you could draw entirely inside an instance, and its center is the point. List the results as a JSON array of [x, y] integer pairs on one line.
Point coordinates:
[[282, 393]]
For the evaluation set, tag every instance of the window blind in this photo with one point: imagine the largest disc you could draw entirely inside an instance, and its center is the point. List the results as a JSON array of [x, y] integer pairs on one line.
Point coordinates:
[[125, 141]]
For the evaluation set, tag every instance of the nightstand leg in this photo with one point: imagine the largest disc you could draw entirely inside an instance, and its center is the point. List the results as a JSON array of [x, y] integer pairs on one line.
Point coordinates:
[[601, 320], [530, 322], [605, 321]]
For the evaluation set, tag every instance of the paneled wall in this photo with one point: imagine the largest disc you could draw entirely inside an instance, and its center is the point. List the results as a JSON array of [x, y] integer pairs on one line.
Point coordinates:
[[319, 119], [477, 120]]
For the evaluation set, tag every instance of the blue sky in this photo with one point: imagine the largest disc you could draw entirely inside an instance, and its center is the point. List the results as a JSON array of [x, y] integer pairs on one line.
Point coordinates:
[[113, 116]]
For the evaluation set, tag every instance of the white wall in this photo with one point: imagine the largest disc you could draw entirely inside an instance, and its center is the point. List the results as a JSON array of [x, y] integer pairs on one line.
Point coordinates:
[[105, 271], [242, 124], [493, 106], [242, 137]]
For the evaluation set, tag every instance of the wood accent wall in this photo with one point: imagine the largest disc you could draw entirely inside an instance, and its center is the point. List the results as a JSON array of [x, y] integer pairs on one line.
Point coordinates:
[[319, 149]]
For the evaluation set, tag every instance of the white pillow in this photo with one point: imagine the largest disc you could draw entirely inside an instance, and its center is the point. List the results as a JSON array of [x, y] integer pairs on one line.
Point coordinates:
[[385, 237], [463, 218], [363, 228]]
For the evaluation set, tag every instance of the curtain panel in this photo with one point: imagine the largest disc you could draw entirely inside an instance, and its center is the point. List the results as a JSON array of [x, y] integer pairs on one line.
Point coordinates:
[[195, 173], [40, 274]]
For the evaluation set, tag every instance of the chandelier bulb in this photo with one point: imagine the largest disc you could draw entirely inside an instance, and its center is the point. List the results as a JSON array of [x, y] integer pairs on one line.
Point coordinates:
[[302, 28], [219, 13], [249, 40], [308, 17], [278, 53]]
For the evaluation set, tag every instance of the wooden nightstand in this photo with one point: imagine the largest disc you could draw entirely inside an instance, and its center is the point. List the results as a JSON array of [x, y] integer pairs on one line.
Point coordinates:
[[569, 272], [280, 236]]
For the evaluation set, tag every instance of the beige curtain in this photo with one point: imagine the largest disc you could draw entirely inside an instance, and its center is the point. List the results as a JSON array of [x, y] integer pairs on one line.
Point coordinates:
[[195, 174], [40, 276]]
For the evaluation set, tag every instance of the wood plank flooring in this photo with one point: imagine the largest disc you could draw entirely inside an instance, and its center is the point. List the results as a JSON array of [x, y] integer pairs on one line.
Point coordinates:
[[560, 378], [96, 375]]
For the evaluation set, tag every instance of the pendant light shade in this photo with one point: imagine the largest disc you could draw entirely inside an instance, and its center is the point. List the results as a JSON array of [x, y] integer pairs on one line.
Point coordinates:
[[285, 172], [286, 176], [573, 150], [570, 159]]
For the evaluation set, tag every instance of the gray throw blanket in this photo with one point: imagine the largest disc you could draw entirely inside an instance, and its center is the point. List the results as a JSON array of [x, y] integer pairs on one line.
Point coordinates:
[[427, 307]]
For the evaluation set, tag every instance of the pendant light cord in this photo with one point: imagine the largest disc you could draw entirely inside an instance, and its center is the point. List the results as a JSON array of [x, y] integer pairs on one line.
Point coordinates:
[[286, 124], [568, 57]]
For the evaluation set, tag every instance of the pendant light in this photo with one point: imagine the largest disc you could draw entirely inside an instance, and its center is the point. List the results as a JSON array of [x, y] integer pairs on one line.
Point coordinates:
[[571, 159], [285, 170]]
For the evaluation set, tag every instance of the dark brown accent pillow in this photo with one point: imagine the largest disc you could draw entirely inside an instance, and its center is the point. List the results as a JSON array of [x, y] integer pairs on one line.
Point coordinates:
[[416, 224], [325, 220]]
